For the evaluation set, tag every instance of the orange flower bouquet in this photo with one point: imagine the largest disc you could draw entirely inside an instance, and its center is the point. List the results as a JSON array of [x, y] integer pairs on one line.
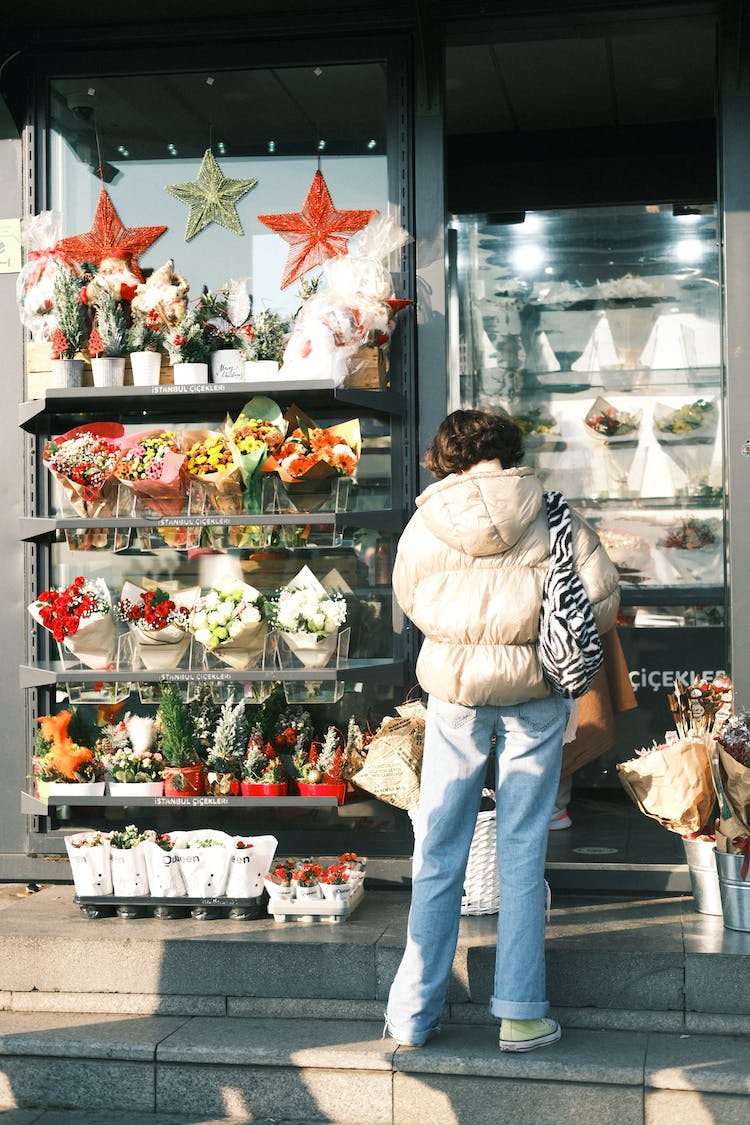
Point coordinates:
[[311, 458]]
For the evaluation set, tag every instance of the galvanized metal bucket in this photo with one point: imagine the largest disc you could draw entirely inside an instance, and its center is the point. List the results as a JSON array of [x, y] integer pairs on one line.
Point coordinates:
[[704, 877], [735, 892]]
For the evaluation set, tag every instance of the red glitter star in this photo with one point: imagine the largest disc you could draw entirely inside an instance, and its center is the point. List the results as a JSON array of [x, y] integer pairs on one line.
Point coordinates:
[[108, 238], [317, 232]]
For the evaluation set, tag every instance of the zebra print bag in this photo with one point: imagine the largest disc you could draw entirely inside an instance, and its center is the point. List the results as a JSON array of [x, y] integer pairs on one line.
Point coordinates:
[[570, 651]]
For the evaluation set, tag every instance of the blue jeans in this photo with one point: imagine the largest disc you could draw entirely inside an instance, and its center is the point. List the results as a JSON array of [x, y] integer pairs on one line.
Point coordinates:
[[458, 741]]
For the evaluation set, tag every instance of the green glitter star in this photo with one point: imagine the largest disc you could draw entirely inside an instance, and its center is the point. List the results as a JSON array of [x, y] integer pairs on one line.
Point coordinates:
[[211, 198]]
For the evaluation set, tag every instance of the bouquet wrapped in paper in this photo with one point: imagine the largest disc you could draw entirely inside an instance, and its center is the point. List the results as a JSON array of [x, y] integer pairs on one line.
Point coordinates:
[[672, 783], [35, 286], [257, 431], [311, 457], [154, 468], [80, 618], [84, 462], [733, 826], [164, 874], [229, 622], [215, 466], [158, 621], [608, 424], [357, 307], [308, 618]]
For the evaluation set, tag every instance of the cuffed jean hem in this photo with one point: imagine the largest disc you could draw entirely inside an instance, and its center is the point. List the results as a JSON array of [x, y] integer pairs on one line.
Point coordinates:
[[412, 1038], [514, 1010]]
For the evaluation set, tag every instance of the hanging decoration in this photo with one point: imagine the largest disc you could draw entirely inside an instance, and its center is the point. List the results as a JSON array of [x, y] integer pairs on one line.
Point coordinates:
[[109, 239], [317, 232], [211, 197]]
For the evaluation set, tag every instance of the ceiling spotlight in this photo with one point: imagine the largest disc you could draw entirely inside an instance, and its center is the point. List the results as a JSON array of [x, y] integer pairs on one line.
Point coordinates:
[[91, 91], [321, 145], [317, 71], [171, 150], [272, 146], [222, 148], [371, 144], [210, 81], [122, 150]]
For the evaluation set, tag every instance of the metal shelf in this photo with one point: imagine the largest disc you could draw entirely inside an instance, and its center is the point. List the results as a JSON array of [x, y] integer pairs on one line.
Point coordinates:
[[116, 402], [35, 806]]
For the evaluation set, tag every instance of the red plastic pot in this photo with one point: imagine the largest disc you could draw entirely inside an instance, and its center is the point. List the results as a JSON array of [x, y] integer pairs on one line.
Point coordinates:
[[264, 788], [335, 789]]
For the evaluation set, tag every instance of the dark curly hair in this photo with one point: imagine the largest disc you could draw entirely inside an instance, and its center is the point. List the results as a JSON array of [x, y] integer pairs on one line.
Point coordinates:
[[469, 436]]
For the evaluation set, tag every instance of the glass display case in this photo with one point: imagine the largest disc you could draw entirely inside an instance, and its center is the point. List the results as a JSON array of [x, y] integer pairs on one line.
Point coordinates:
[[599, 330]]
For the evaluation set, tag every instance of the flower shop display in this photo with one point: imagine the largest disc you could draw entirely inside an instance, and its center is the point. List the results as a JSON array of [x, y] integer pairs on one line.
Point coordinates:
[[67, 766], [263, 772], [693, 547], [107, 344], [187, 350], [230, 623], [308, 619], [35, 285], [154, 469], [69, 333], [608, 424], [312, 460], [184, 771], [130, 756], [325, 767], [257, 431], [89, 855], [164, 876], [213, 464], [84, 461], [143, 341], [80, 619], [225, 755], [356, 309], [128, 860], [225, 317], [315, 890], [159, 623]]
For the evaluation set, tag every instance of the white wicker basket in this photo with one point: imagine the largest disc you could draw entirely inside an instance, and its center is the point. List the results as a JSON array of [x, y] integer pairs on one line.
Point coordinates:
[[481, 882]]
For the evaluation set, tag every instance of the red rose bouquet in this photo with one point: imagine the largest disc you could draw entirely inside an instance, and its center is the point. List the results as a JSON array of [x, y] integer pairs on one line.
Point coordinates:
[[79, 616], [158, 622]]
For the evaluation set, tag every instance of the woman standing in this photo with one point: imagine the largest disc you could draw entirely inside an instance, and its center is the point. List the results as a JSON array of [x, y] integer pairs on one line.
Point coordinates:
[[469, 573]]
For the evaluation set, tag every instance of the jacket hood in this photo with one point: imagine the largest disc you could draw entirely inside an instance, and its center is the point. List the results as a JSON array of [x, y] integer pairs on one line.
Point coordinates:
[[483, 511]]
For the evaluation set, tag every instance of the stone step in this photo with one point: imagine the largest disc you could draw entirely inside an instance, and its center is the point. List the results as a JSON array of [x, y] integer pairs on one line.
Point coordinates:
[[647, 965], [338, 1071]]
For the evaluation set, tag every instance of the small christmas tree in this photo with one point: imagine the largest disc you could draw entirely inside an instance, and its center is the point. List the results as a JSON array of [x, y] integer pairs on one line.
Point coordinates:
[[176, 726], [70, 332], [108, 337], [230, 739], [204, 711], [268, 339]]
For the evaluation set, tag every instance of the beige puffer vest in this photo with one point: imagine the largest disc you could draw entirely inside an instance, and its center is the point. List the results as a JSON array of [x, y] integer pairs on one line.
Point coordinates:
[[469, 573]]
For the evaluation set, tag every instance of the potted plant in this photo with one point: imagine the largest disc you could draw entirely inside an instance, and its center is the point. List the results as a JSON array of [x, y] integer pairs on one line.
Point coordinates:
[[144, 339], [226, 319], [107, 339], [184, 772], [128, 859], [68, 767], [323, 768], [263, 772], [268, 337], [306, 878], [222, 763], [336, 882], [279, 883], [188, 350], [129, 755], [69, 334]]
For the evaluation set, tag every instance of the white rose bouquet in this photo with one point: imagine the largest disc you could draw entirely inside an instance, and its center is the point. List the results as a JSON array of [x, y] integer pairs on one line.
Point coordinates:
[[229, 621], [308, 618]]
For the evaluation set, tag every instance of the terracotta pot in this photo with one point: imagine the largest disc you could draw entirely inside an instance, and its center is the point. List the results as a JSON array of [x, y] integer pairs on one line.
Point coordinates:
[[264, 789], [184, 781]]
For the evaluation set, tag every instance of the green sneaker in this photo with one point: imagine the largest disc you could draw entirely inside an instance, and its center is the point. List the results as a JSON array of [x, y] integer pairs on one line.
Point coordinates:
[[525, 1035]]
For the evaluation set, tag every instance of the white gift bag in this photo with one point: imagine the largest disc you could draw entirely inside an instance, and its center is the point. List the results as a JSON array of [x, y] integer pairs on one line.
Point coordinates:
[[205, 870], [92, 872], [129, 872], [164, 873], [248, 865]]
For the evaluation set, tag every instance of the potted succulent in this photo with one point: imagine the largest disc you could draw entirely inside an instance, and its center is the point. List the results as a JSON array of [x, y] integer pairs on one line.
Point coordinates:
[[107, 339], [184, 772], [69, 334]]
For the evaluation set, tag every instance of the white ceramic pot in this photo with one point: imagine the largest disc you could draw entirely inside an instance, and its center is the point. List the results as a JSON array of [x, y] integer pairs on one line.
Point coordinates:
[[67, 372], [227, 366], [190, 373], [136, 788], [77, 788], [260, 369], [108, 371], [145, 367]]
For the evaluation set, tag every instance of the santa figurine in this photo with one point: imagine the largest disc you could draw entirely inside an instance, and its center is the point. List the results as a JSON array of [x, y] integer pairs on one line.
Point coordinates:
[[114, 274], [165, 293]]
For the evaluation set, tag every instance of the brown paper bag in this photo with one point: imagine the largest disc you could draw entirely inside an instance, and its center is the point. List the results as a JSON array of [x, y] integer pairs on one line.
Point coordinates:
[[673, 784], [735, 781], [393, 765]]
